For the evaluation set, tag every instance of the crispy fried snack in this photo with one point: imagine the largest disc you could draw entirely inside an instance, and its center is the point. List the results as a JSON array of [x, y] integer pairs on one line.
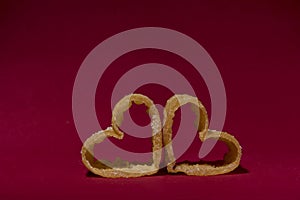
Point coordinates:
[[231, 159], [126, 170]]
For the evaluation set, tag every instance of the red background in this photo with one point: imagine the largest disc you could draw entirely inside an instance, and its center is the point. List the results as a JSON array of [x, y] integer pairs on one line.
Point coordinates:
[[255, 45]]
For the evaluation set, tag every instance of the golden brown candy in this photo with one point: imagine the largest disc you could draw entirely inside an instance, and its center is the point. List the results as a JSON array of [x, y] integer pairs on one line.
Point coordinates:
[[231, 159], [123, 168]]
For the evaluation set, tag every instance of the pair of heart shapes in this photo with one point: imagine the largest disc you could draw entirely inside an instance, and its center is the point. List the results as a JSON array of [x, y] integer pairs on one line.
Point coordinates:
[[160, 135]]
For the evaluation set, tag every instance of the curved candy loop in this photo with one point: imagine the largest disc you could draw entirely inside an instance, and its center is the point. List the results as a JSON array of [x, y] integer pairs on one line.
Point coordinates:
[[231, 159], [125, 169]]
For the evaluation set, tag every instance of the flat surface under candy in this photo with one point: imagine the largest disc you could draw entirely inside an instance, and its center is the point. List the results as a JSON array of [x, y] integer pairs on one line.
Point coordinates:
[[255, 45]]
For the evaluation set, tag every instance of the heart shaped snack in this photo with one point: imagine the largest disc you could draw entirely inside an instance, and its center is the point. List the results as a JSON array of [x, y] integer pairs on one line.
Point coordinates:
[[232, 157], [127, 170]]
